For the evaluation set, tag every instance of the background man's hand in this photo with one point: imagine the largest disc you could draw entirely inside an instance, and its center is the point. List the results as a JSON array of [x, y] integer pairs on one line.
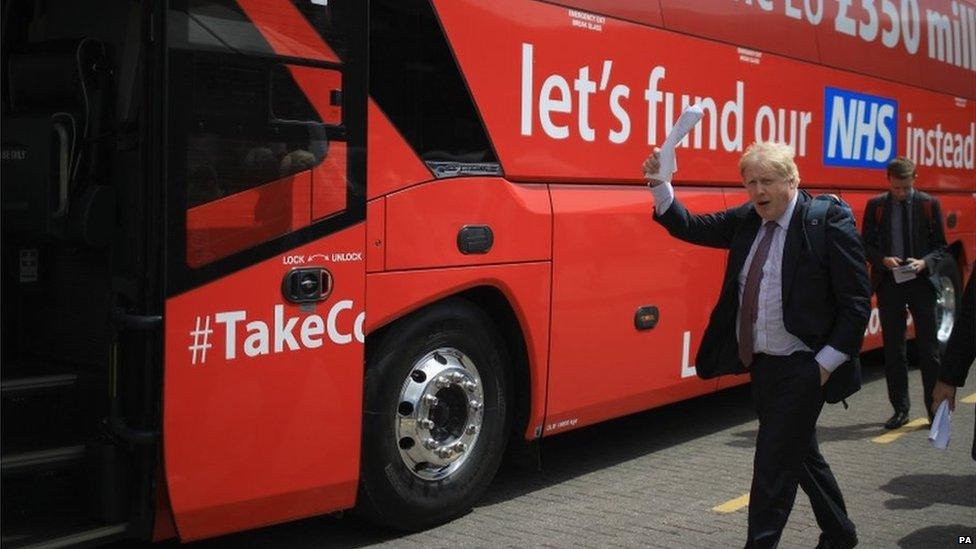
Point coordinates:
[[824, 375], [651, 166], [891, 262], [917, 264], [943, 391]]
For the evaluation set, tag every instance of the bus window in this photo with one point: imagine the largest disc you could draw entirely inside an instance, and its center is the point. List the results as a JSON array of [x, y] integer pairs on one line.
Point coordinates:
[[256, 142], [419, 86]]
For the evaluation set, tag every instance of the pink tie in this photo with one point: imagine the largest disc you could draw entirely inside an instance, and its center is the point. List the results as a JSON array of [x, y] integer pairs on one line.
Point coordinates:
[[748, 310]]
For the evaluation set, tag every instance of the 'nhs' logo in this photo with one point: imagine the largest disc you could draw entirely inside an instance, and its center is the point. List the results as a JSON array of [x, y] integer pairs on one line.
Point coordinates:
[[860, 129]]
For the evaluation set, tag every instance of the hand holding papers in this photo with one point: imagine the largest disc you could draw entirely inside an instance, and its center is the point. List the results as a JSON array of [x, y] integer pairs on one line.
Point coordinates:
[[903, 273], [669, 164], [939, 433]]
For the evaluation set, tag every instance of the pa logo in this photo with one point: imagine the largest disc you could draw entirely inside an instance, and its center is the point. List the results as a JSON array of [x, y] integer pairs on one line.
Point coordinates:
[[965, 539]]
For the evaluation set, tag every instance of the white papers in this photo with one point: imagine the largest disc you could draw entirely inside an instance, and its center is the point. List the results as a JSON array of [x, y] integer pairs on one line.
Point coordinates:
[[939, 433], [669, 164], [903, 273]]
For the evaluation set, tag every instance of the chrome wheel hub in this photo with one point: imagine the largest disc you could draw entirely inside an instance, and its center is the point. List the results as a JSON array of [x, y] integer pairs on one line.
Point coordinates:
[[945, 308], [439, 413]]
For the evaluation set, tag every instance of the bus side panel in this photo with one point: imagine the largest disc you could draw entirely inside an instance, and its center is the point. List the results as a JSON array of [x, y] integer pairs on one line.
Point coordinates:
[[587, 103], [392, 295], [959, 213], [641, 11], [610, 259], [376, 235], [434, 213], [394, 165], [736, 23], [262, 397]]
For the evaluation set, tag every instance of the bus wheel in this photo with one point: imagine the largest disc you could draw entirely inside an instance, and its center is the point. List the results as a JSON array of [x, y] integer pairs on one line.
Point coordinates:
[[436, 417], [948, 301]]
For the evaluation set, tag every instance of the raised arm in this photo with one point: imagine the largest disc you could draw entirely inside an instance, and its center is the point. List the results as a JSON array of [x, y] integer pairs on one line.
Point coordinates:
[[714, 230]]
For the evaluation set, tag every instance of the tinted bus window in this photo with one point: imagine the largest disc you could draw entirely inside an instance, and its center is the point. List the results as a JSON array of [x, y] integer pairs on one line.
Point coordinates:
[[257, 135], [415, 80]]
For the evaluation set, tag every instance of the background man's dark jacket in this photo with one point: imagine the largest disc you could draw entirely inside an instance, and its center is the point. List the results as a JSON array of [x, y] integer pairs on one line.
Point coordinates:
[[824, 303], [928, 235]]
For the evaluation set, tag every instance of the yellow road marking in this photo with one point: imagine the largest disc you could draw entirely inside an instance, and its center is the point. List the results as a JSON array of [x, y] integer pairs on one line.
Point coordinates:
[[733, 505], [914, 425], [971, 399]]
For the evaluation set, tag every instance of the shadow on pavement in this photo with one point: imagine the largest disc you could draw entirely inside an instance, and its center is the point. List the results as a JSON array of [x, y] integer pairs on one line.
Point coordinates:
[[920, 491], [938, 537], [576, 453], [860, 431]]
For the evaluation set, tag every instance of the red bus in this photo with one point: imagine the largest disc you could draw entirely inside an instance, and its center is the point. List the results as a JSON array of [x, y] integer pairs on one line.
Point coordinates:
[[267, 259]]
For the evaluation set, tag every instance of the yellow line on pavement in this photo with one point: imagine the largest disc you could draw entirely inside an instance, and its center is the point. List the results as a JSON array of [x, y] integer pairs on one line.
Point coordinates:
[[733, 505], [971, 399], [914, 425]]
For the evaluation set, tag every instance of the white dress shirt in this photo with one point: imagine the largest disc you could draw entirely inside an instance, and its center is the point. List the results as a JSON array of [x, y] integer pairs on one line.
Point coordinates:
[[770, 335]]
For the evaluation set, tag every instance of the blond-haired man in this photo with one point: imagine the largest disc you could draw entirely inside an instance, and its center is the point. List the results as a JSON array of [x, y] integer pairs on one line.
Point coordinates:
[[787, 315]]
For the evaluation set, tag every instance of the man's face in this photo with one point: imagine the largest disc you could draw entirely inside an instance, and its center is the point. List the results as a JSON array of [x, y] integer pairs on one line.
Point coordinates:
[[901, 186], [769, 191]]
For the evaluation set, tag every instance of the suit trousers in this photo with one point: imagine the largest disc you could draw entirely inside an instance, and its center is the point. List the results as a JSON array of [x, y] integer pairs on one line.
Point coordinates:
[[788, 398], [920, 298]]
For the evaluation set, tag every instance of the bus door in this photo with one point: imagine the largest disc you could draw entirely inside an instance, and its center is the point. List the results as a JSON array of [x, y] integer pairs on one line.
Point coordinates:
[[264, 138]]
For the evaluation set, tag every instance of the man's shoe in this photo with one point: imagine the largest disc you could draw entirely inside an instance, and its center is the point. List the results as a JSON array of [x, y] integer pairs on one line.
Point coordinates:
[[828, 543], [897, 420]]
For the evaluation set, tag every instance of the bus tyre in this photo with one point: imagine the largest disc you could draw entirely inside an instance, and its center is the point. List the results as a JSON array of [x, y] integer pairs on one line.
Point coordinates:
[[436, 416], [948, 300]]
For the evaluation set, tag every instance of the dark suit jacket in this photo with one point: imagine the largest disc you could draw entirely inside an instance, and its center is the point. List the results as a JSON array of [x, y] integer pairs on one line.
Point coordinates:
[[928, 236], [824, 303]]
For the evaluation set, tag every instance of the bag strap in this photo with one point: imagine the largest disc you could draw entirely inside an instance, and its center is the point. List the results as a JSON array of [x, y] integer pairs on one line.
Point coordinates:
[[816, 226]]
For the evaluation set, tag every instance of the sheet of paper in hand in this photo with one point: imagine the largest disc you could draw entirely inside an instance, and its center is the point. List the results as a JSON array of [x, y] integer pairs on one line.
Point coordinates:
[[939, 433], [903, 273], [669, 163]]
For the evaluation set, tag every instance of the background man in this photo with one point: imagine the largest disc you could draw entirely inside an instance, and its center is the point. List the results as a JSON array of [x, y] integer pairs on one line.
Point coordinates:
[[787, 316], [901, 226]]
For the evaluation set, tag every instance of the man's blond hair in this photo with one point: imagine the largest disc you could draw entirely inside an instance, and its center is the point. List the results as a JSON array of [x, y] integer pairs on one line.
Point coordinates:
[[770, 154]]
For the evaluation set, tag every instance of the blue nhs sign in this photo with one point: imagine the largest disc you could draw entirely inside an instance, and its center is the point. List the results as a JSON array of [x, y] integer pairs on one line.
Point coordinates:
[[859, 129]]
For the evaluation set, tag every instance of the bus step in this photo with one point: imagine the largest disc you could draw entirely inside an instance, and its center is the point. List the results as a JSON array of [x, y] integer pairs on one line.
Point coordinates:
[[46, 411], [83, 536], [53, 458], [19, 386]]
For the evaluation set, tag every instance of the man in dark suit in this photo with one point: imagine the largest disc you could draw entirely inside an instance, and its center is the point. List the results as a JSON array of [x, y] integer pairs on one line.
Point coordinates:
[[903, 227], [789, 317], [959, 354]]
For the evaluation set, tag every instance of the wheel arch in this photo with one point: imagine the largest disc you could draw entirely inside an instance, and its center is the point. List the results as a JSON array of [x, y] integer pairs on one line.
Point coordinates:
[[506, 292], [496, 305]]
